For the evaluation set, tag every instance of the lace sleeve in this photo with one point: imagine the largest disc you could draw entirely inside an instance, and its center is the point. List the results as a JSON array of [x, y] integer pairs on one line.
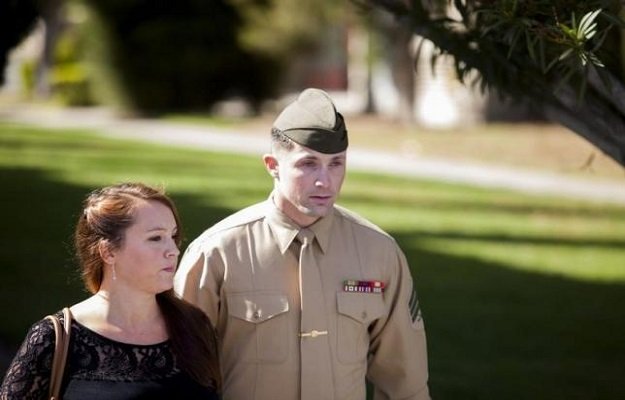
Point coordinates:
[[28, 376]]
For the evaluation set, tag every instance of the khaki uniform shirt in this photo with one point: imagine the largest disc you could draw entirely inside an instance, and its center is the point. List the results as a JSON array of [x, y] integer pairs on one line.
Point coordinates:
[[243, 272]]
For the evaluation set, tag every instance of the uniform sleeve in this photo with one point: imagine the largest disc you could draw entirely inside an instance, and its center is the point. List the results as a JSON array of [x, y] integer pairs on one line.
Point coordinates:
[[398, 366], [28, 375], [199, 278]]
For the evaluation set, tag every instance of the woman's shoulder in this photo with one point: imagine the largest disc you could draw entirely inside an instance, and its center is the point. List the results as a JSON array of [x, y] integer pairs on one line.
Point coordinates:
[[29, 373], [43, 329], [40, 338]]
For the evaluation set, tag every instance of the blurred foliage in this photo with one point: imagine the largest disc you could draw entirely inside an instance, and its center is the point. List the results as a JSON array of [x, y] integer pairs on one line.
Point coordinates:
[[188, 55], [179, 55], [282, 28], [564, 56], [69, 76], [560, 40], [27, 75], [516, 44], [155, 56]]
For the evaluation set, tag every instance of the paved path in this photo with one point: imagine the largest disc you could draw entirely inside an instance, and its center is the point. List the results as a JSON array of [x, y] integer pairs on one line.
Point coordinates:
[[221, 139]]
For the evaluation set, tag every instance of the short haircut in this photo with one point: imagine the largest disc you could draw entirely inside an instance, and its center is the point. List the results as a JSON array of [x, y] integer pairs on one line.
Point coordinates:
[[280, 141]]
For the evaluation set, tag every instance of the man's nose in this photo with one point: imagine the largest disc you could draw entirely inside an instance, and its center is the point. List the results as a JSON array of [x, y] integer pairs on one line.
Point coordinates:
[[323, 178]]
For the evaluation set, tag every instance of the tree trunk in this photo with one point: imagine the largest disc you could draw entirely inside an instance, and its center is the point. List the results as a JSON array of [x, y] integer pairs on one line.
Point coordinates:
[[52, 17], [370, 103], [593, 119], [403, 72]]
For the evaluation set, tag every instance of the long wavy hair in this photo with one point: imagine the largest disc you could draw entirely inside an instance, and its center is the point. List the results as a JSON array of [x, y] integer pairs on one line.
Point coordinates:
[[106, 215]]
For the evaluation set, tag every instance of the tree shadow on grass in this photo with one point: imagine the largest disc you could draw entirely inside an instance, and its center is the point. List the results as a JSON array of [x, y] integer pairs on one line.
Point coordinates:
[[497, 333], [38, 271]]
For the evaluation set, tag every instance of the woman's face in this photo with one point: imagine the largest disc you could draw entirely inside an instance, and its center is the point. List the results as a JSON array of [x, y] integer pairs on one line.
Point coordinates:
[[148, 256]]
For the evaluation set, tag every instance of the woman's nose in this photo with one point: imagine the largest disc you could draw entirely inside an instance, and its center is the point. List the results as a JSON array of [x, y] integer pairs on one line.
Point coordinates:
[[173, 250]]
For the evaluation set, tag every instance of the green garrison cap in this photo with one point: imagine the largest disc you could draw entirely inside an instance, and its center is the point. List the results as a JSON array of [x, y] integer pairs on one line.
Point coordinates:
[[312, 121]]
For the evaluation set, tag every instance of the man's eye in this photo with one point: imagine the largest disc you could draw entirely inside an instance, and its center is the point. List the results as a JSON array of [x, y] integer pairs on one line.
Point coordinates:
[[155, 238]]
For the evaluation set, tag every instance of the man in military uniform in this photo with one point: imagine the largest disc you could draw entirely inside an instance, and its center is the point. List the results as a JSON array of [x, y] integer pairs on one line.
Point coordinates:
[[309, 300]]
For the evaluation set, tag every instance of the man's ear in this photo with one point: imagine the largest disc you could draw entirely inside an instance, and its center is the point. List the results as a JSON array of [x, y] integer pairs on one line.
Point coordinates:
[[106, 252], [271, 163]]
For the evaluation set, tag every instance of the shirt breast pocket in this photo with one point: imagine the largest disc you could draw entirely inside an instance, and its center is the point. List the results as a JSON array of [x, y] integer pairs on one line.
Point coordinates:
[[356, 311], [259, 320]]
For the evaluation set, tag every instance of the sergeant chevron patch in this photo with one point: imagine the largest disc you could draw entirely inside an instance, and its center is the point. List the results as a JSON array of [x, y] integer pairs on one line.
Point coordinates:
[[413, 305]]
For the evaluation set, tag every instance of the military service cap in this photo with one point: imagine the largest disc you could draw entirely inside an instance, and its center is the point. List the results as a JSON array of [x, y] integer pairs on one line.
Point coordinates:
[[312, 121]]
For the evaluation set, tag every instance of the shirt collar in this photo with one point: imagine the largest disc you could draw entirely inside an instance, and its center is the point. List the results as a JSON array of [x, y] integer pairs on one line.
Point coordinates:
[[285, 229], [322, 230]]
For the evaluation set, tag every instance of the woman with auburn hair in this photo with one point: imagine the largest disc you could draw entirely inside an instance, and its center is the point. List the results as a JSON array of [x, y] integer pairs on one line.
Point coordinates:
[[133, 338]]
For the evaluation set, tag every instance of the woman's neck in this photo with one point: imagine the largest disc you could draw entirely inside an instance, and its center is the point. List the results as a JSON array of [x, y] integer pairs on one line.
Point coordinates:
[[123, 316]]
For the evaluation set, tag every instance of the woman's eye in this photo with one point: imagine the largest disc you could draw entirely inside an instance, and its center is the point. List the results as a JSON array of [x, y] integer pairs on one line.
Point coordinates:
[[154, 238]]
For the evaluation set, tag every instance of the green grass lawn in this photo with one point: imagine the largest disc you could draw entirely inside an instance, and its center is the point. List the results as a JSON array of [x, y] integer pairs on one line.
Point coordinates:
[[523, 297]]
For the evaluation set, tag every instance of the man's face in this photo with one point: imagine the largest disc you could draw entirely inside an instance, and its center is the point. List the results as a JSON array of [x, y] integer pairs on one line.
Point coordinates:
[[308, 182]]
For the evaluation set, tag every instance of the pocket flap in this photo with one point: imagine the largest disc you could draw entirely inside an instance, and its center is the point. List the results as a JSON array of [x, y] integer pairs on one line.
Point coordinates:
[[257, 307], [363, 307]]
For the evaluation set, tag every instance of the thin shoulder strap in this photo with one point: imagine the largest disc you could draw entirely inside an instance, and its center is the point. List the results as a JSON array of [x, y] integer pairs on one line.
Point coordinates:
[[61, 347]]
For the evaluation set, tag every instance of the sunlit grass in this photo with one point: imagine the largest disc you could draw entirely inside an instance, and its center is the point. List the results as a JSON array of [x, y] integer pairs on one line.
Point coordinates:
[[576, 239]]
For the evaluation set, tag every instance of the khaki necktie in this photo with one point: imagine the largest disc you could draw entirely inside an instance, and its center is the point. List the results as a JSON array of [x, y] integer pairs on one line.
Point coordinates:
[[316, 365]]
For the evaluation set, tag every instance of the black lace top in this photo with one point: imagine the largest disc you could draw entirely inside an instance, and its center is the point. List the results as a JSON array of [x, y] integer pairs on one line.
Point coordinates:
[[98, 368]]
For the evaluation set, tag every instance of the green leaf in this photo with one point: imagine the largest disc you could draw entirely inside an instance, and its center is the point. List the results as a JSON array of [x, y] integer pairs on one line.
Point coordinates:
[[487, 29], [568, 31], [595, 60], [598, 42], [583, 57], [586, 24], [565, 54], [551, 64], [590, 34], [566, 78], [614, 20], [541, 52], [515, 39], [530, 46]]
